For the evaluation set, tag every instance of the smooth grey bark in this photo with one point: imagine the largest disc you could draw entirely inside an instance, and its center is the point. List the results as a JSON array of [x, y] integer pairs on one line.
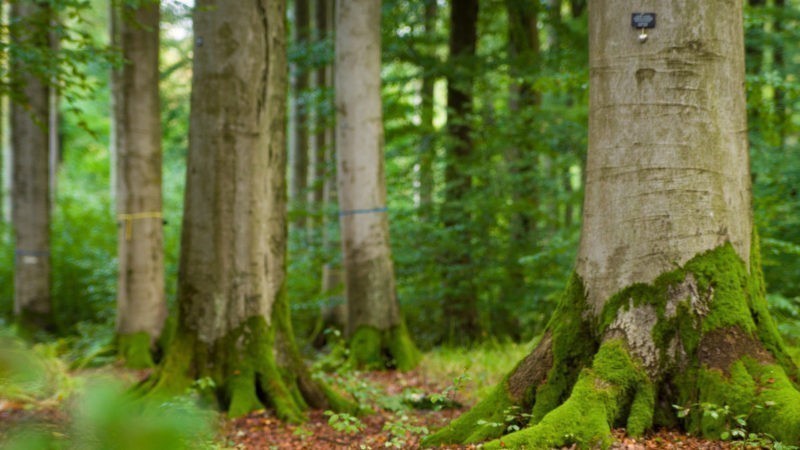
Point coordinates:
[[233, 322], [141, 303], [233, 241], [369, 271], [30, 177], [644, 167]]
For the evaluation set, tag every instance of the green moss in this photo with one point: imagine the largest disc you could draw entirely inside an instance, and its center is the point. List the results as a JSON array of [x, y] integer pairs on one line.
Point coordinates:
[[490, 412], [366, 345], [134, 350], [599, 396], [780, 416], [724, 304], [767, 330], [642, 410], [374, 349]]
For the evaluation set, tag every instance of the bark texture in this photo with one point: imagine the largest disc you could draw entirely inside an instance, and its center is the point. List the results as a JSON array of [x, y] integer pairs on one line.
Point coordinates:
[[141, 306], [30, 189], [375, 325], [675, 313], [233, 313], [461, 302]]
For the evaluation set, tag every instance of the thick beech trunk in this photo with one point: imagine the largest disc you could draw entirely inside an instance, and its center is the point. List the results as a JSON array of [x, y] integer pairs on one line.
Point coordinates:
[[141, 306], [233, 323], [30, 191], [460, 308], [375, 326], [667, 304]]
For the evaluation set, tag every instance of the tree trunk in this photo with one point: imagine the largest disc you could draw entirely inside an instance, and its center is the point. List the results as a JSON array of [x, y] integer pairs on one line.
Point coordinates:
[[334, 311], [300, 151], [233, 323], [321, 142], [30, 173], [428, 130], [375, 326], [667, 304], [460, 308], [141, 306]]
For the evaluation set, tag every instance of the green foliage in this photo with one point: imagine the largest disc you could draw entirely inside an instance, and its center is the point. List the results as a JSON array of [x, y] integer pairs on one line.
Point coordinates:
[[735, 425], [400, 430], [344, 422]]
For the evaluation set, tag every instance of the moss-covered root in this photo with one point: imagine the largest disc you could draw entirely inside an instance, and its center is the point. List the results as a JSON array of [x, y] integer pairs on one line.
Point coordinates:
[[371, 348], [762, 393], [482, 422], [601, 394], [134, 350]]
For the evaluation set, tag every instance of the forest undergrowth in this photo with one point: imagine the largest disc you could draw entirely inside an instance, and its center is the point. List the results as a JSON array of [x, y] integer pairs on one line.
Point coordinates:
[[51, 399]]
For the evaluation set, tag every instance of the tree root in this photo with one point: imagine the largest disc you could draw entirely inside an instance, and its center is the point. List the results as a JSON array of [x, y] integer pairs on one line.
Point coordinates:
[[246, 375], [614, 385]]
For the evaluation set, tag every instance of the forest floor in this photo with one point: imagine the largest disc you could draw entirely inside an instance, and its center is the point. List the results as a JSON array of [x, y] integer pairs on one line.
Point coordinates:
[[405, 408]]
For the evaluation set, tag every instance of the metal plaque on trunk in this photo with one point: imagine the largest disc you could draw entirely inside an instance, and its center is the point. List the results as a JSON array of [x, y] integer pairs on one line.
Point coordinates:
[[643, 20]]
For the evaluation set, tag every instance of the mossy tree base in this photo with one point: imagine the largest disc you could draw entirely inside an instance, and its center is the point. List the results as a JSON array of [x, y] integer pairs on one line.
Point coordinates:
[[134, 350], [698, 335], [250, 372], [374, 349]]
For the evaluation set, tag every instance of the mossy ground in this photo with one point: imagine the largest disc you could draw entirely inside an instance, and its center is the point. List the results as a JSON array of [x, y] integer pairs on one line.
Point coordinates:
[[716, 344]]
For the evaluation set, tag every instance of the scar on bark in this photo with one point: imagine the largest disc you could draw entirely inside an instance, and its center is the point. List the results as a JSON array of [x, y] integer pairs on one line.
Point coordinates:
[[532, 371], [722, 347]]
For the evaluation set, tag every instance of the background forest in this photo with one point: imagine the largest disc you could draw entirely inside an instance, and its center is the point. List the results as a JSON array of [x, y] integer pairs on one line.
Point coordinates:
[[495, 227]]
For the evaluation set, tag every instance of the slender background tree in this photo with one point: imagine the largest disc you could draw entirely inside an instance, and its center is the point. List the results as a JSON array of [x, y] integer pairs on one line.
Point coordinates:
[[141, 306]]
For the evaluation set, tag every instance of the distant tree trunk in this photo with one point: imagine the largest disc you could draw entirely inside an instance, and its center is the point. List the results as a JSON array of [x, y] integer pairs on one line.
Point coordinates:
[[141, 305], [320, 143], [298, 189], [427, 130], [578, 7], [233, 322], [524, 56], [375, 327], [334, 311], [781, 115], [667, 304], [30, 188], [460, 308]]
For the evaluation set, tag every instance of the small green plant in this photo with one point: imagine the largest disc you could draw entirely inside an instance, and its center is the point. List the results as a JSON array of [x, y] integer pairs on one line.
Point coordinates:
[[401, 430], [735, 425], [344, 422], [302, 432], [513, 420], [441, 399]]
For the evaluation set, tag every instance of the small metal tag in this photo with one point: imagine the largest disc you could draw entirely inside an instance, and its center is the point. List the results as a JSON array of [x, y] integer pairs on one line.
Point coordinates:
[[643, 20]]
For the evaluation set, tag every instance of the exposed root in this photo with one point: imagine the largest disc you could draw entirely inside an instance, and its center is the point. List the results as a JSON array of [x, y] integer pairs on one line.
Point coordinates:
[[246, 373]]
